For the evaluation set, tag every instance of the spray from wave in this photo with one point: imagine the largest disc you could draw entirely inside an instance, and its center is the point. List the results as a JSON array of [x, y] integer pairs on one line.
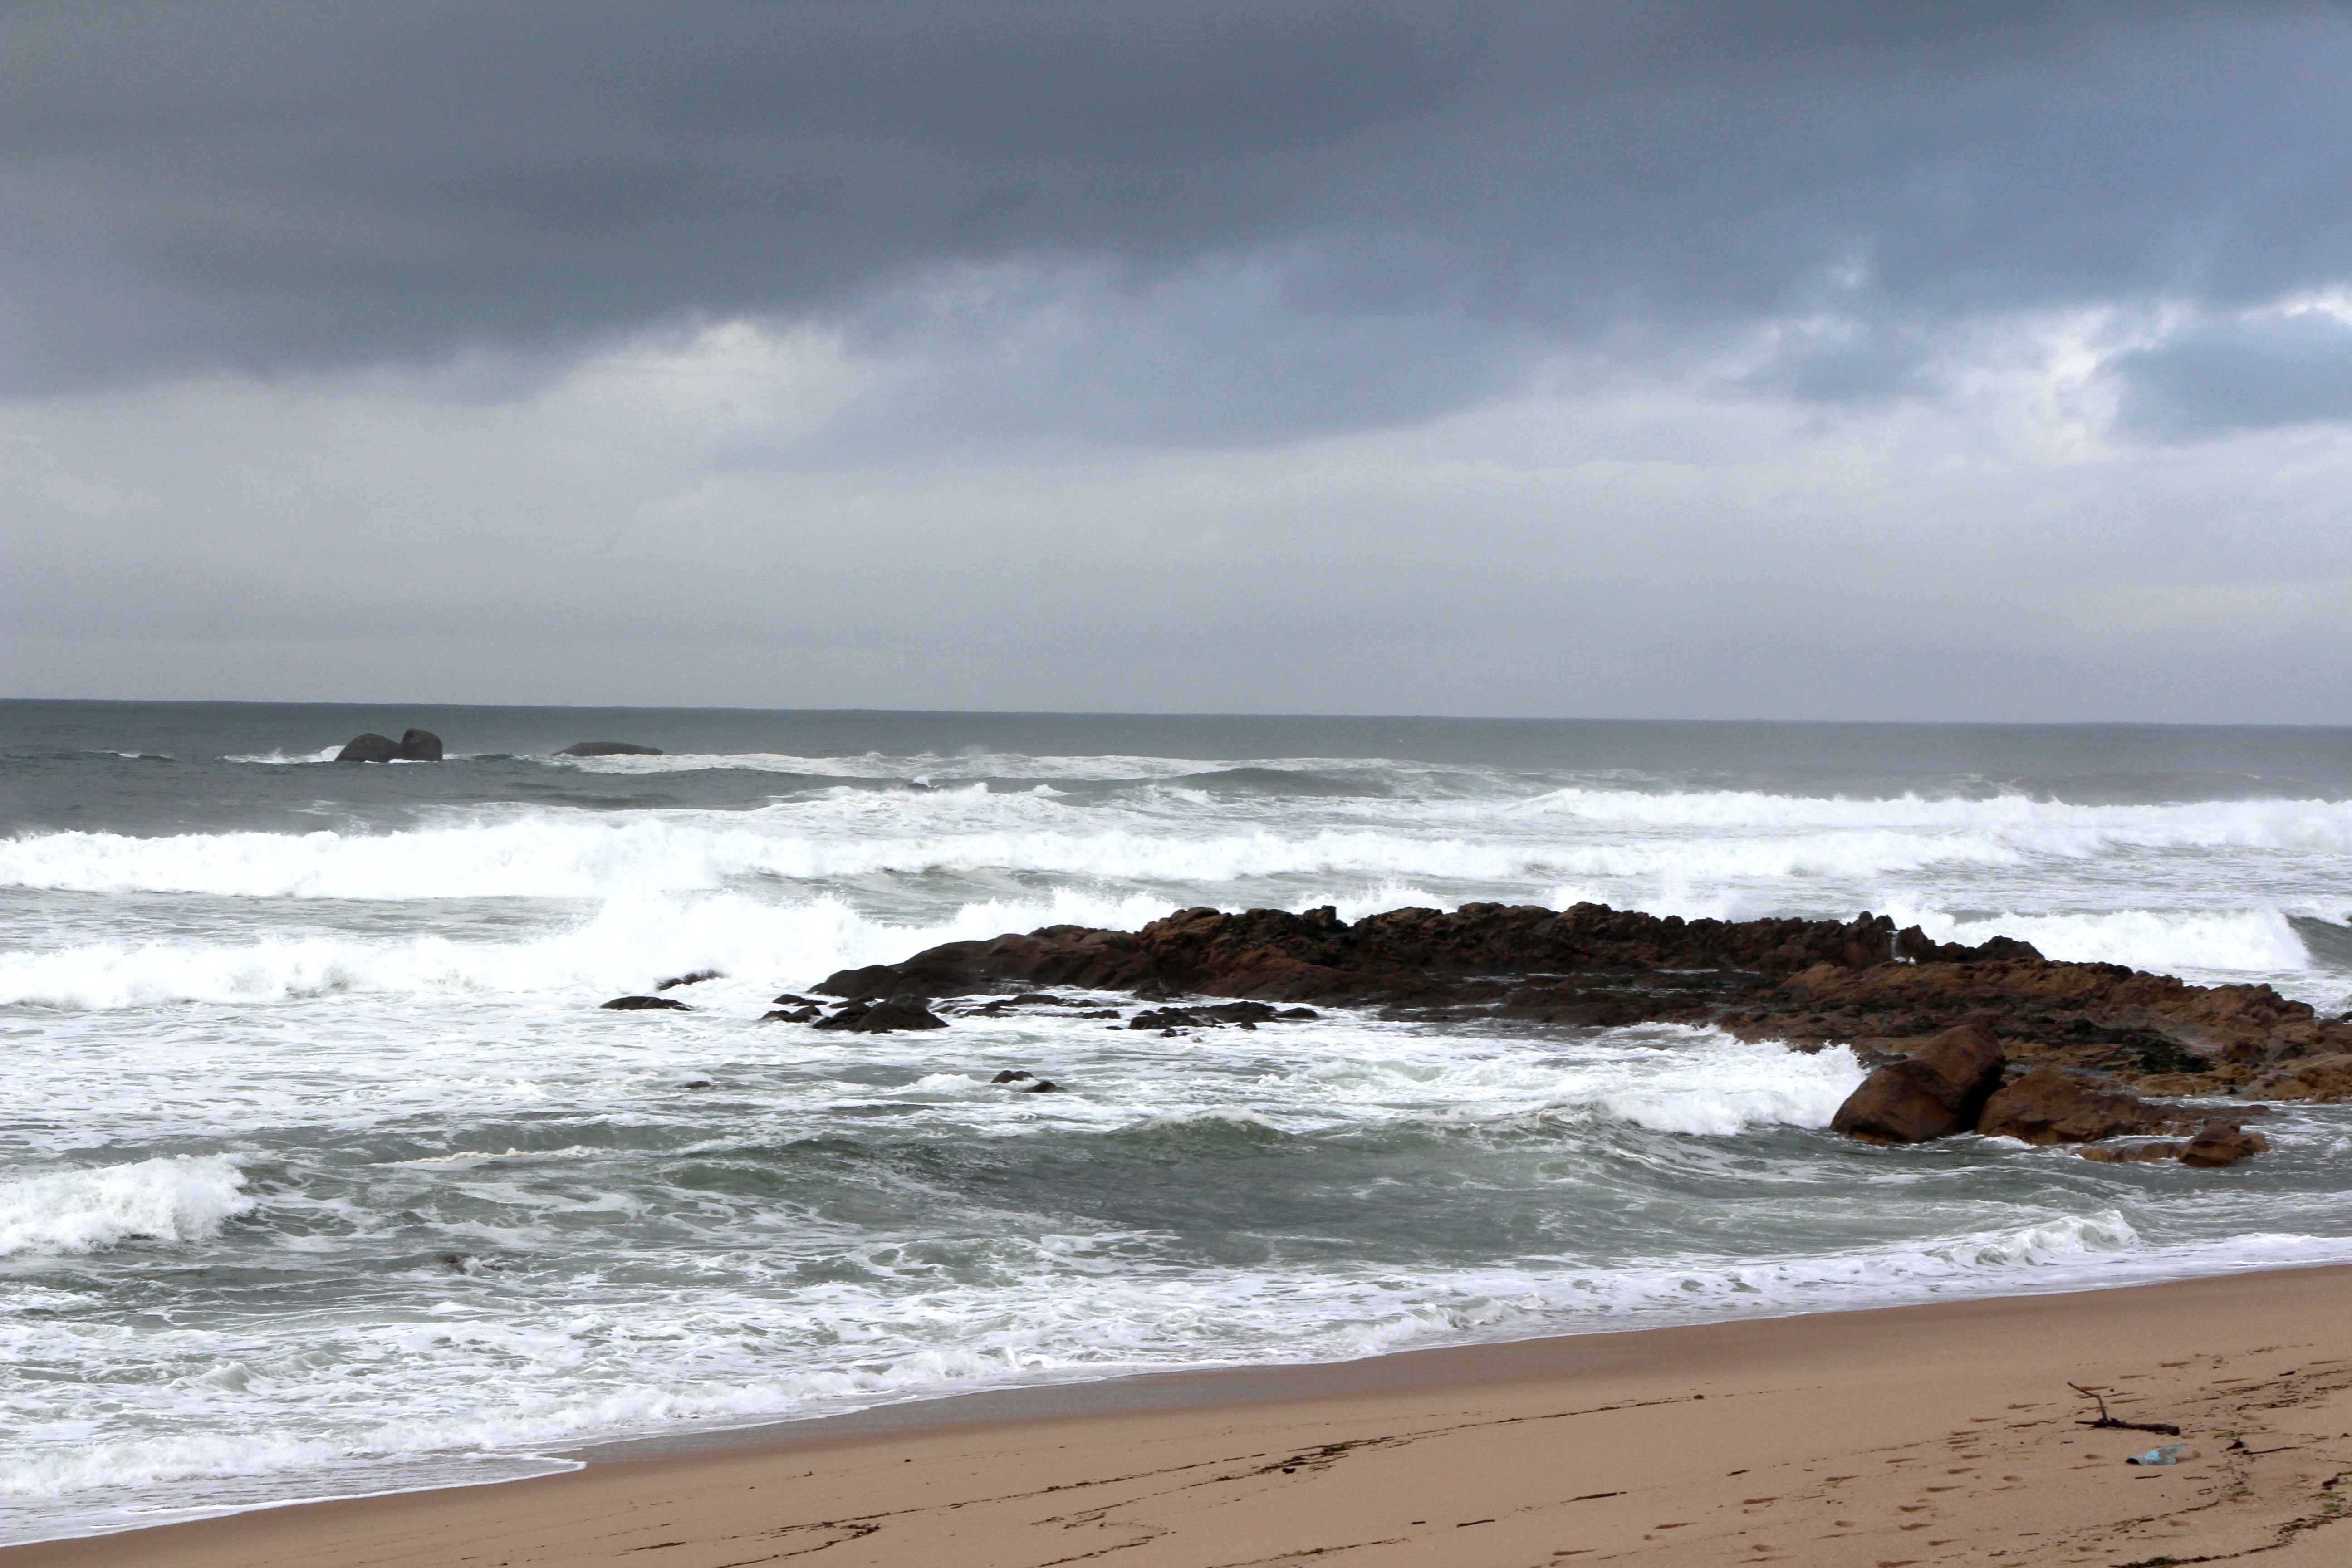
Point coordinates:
[[184, 1198]]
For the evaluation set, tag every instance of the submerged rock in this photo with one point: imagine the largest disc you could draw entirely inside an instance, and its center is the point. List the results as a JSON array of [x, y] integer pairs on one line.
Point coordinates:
[[1938, 1089], [2220, 1143], [997, 1007], [2133, 1154], [1010, 1075], [2052, 1105], [645, 1004], [695, 978], [1248, 1014], [885, 1017], [608, 748], [808, 1015]]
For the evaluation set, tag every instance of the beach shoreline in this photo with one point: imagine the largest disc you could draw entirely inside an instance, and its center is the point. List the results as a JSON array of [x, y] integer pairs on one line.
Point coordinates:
[[1829, 1437]]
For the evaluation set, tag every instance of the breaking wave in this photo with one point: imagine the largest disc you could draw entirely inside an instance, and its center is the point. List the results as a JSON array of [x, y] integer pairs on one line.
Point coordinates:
[[1557, 838], [180, 1199]]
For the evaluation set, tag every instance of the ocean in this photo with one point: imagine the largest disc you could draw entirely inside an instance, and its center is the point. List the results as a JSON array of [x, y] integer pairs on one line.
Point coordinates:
[[323, 1173]]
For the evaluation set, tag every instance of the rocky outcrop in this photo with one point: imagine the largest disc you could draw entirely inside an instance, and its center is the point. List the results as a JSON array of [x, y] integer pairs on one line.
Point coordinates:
[[1481, 955], [413, 746], [2220, 1143], [1938, 1089], [695, 978], [2054, 1105], [882, 1017], [645, 1004], [1861, 982], [2157, 1031], [608, 748], [2323, 1079]]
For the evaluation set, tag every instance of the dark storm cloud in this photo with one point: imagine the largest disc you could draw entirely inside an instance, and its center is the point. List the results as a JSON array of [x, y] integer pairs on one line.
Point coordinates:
[[2256, 373], [296, 185]]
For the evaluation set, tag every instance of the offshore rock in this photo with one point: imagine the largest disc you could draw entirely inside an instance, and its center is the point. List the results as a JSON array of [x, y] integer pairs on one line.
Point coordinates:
[[885, 1017], [413, 746], [2133, 1154], [645, 1004], [1248, 1014], [608, 748], [2220, 1143], [1938, 1089], [2054, 1105], [1859, 983], [1405, 957]]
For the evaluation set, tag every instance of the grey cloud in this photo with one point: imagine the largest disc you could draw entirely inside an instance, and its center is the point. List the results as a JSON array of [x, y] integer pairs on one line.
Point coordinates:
[[273, 186], [2257, 372], [1847, 362]]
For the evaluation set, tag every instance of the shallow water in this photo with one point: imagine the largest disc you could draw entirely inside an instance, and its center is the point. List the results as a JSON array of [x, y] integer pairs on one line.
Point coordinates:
[[323, 1173]]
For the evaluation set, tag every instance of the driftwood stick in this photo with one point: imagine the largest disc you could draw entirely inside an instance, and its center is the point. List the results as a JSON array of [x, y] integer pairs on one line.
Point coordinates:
[[2165, 1428]]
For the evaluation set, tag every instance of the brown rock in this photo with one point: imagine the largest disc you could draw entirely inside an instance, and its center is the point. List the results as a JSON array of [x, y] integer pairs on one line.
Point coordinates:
[[2222, 1143], [2120, 1153], [2052, 1105], [1403, 955], [1938, 1089], [1806, 983], [2326, 1078]]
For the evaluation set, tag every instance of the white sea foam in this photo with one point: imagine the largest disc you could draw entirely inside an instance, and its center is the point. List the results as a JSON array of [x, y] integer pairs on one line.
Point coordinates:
[[557, 1240], [632, 940], [628, 944], [1734, 1087], [2165, 941], [931, 766], [1693, 839], [179, 1199], [279, 759]]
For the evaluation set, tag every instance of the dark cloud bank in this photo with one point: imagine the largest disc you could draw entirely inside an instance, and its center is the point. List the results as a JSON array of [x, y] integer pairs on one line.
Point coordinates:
[[1212, 227]]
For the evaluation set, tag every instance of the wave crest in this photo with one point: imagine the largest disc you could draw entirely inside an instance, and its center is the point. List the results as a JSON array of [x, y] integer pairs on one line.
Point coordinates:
[[182, 1198]]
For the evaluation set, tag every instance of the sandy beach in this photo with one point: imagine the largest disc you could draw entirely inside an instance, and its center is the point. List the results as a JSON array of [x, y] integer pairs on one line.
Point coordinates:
[[1943, 1433]]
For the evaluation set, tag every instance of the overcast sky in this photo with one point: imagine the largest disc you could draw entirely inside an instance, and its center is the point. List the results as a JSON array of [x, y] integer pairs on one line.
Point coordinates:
[[1588, 358]]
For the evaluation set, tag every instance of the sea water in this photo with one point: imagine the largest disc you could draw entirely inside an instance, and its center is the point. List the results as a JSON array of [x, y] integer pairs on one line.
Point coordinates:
[[322, 1171]]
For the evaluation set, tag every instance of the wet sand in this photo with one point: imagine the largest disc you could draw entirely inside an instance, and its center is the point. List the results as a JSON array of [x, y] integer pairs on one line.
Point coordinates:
[[1936, 1433]]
